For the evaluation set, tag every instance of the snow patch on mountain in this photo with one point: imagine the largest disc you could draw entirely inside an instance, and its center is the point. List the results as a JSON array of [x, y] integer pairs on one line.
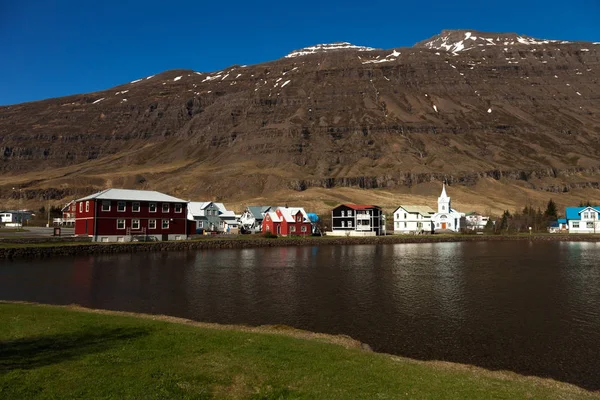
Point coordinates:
[[458, 41], [328, 47]]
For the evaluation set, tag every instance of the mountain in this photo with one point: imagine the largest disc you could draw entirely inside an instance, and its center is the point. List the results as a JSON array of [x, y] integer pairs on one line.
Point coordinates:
[[504, 118]]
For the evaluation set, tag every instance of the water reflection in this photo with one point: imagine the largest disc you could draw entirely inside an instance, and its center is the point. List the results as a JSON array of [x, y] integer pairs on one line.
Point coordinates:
[[524, 306]]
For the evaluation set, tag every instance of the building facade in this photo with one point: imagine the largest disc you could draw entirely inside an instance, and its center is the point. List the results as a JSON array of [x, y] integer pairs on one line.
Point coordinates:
[[210, 216], [357, 220], [447, 219], [583, 219], [287, 221], [413, 220], [252, 218], [120, 215]]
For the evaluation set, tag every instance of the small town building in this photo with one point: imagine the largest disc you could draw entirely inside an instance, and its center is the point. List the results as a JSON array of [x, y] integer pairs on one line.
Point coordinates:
[[583, 219], [68, 215], [475, 221], [252, 218], [287, 221], [447, 219], [15, 217], [357, 220], [119, 215], [413, 220], [210, 216]]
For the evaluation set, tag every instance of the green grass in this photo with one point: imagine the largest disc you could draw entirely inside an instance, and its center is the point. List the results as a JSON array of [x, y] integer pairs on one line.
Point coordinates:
[[51, 352]]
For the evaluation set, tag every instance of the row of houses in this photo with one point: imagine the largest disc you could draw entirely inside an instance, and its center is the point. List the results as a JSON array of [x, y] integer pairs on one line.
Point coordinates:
[[123, 215]]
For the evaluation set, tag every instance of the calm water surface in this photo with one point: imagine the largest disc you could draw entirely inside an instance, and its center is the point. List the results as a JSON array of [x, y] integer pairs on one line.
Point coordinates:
[[532, 308]]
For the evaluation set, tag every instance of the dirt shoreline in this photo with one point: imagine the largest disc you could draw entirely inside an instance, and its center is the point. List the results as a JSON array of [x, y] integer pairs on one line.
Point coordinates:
[[24, 249]]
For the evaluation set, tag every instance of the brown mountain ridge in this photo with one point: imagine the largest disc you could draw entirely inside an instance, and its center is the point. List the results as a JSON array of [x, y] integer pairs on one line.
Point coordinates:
[[504, 118]]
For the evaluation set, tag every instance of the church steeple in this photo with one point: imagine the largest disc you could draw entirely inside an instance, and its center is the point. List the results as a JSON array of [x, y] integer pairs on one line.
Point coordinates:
[[444, 201]]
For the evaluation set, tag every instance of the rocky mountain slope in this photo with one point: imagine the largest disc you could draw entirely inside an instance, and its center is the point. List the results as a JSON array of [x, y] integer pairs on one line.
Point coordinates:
[[469, 107]]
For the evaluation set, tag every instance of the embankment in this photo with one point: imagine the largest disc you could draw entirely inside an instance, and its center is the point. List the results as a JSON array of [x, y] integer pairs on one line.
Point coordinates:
[[37, 249]]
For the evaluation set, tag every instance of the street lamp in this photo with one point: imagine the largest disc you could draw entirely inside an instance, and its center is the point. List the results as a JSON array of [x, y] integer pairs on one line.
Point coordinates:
[[529, 231], [20, 213]]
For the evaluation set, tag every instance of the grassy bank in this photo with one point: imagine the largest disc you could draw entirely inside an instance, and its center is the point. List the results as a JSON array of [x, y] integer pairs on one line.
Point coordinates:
[[57, 352]]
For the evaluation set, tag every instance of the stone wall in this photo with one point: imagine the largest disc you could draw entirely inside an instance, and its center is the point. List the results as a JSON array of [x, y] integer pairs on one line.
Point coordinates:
[[66, 249]]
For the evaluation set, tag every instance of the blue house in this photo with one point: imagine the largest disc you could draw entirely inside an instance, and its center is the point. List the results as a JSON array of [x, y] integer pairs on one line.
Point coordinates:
[[583, 219]]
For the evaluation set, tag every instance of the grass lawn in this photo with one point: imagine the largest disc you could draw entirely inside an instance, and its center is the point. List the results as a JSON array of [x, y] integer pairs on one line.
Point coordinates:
[[49, 352]]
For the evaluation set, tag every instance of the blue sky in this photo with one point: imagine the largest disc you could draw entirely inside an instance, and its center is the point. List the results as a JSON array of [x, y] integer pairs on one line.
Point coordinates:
[[52, 48]]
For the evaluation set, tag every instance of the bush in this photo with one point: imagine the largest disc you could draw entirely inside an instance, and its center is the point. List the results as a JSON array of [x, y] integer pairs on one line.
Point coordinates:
[[269, 235]]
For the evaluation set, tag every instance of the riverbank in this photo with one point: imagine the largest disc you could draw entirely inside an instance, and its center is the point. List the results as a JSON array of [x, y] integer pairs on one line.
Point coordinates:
[[72, 352], [24, 248]]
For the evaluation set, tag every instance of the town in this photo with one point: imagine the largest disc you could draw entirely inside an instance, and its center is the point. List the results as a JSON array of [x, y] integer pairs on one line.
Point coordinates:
[[121, 215]]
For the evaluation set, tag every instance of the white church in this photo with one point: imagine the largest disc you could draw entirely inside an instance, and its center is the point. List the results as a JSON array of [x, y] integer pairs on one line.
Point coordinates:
[[447, 218]]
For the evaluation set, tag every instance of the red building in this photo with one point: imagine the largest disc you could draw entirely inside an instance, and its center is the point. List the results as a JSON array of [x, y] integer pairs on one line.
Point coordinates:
[[287, 221], [119, 215]]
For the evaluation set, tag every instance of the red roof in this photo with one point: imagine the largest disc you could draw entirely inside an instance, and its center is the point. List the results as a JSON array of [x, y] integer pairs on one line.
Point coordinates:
[[360, 206]]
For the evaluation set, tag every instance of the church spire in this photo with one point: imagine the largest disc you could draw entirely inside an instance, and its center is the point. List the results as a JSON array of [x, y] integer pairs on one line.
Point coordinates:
[[444, 205]]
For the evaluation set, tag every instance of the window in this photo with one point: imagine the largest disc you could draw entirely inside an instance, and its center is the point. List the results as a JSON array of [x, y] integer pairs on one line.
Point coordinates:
[[343, 224], [165, 207], [135, 224], [405, 225], [299, 218], [106, 206], [303, 229], [178, 208], [165, 224], [397, 216], [87, 206], [120, 224], [80, 207], [200, 224], [575, 224], [585, 215], [292, 228], [349, 213], [443, 208], [343, 213], [152, 207], [121, 206], [135, 206], [349, 224], [151, 224], [589, 225], [405, 216]]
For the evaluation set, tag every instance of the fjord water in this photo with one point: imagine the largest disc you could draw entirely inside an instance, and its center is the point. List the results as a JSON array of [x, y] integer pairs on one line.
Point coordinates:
[[528, 307]]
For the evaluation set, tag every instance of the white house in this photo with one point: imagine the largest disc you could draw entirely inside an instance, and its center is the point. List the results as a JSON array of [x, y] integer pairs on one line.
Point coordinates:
[[583, 219], [252, 217], [413, 219], [476, 221], [447, 218]]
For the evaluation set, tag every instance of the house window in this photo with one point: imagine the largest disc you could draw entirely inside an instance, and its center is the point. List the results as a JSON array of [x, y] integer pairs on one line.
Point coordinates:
[[165, 208], [349, 213], [405, 225], [165, 224], [575, 224], [178, 208], [589, 225], [135, 207], [299, 218], [443, 208], [152, 207], [349, 224], [292, 228], [268, 228], [405, 216], [106, 206], [121, 206], [200, 224], [303, 228], [343, 224], [87, 206], [151, 224], [343, 213], [135, 224], [120, 224], [80, 207]]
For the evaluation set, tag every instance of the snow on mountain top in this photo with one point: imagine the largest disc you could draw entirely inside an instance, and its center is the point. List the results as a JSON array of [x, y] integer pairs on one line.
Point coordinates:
[[457, 41], [322, 48]]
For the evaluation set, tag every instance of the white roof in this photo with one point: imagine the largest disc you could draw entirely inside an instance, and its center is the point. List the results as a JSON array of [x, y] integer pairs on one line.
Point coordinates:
[[423, 210], [274, 217], [196, 208], [133, 195], [289, 213]]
